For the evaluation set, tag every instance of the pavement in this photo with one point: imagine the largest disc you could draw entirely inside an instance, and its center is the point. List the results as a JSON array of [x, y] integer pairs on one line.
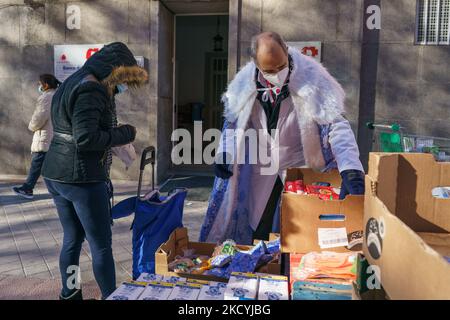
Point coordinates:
[[31, 236]]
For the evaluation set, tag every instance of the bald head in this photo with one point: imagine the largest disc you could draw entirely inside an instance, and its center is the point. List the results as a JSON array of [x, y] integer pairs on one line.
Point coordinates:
[[269, 52]]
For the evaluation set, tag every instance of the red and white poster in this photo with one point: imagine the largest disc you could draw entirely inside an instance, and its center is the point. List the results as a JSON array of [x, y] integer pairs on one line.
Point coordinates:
[[69, 58], [309, 48]]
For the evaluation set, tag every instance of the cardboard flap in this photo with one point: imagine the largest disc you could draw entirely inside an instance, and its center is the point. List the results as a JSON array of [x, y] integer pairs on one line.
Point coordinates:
[[404, 182]]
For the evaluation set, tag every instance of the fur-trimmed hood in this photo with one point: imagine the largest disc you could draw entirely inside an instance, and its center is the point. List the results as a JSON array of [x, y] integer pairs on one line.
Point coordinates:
[[115, 64], [309, 81]]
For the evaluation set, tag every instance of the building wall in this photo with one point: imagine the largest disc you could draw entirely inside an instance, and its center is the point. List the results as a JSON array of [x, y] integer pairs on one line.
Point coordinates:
[[410, 83], [413, 81], [28, 31]]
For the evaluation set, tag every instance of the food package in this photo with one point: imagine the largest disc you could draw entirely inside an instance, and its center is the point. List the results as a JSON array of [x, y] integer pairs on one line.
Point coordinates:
[[156, 290], [127, 291], [185, 291], [273, 288], [149, 277], [173, 279], [324, 193], [213, 291], [242, 286], [295, 187]]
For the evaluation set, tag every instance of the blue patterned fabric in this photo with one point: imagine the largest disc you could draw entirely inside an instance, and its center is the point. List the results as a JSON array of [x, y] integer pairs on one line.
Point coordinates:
[[330, 162], [239, 228]]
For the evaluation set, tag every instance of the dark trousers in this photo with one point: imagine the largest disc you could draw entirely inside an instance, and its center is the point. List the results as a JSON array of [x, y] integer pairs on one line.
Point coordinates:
[[83, 210], [37, 159], [266, 222]]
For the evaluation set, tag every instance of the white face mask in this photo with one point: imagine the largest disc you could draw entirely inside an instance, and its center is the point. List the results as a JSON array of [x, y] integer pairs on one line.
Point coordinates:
[[122, 87], [277, 79], [41, 89]]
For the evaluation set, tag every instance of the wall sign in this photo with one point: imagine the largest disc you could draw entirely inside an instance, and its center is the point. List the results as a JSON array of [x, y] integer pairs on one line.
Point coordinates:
[[309, 48], [70, 58]]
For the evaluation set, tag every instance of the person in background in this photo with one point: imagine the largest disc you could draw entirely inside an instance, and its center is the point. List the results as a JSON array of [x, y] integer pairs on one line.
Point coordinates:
[[76, 168], [41, 125], [292, 96]]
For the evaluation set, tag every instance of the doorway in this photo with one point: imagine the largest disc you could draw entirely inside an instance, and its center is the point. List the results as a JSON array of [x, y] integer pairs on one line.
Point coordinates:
[[200, 77]]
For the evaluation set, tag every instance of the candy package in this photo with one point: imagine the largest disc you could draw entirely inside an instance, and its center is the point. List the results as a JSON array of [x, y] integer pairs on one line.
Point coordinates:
[[242, 286], [213, 291], [127, 291], [149, 277], [157, 291], [273, 288], [324, 193], [295, 187], [185, 291]]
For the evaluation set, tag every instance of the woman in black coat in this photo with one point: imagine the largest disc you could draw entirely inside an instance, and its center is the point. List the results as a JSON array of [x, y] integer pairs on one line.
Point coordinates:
[[76, 168]]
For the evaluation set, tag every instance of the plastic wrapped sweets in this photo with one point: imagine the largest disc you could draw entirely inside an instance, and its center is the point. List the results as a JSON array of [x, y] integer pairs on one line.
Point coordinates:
[[127, 291], [273, 288], [242, 286], [185, 291], [157, 291]]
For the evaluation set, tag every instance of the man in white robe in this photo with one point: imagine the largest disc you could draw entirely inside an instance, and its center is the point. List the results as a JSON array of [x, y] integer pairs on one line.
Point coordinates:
[[299, 108]]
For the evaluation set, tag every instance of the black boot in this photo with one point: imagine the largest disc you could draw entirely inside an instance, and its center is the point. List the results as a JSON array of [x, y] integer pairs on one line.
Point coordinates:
[[77, 295]]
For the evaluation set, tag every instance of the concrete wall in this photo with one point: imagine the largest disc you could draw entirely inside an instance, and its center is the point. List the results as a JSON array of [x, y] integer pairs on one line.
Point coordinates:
[[410, 83], [28, 31], [413, 81]]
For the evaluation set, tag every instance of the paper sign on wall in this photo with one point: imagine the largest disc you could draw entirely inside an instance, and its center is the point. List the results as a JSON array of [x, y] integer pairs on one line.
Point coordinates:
[[70, 58], [309, 48]]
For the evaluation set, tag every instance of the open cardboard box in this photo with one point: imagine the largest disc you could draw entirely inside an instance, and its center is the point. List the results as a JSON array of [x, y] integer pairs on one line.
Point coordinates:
[[406, 228], [303, 215], [179, 240]]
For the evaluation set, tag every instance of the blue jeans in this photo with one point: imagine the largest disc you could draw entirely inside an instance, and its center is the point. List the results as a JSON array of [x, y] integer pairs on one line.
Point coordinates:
[[37, 159], [83, 209]]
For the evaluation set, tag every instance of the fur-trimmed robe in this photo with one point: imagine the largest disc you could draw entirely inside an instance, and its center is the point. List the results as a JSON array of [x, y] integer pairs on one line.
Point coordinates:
[[326, 137]]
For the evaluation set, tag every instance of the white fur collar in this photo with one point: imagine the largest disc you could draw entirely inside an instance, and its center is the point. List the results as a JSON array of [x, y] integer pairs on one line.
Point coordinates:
[[322, 95]]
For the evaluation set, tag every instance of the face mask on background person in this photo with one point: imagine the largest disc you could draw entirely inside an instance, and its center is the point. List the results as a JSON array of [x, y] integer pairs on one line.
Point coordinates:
[[277, 79], [41, 89], [122, 88]]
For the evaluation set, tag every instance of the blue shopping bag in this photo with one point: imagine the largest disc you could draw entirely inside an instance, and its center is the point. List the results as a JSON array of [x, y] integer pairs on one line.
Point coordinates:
[[155, 218]]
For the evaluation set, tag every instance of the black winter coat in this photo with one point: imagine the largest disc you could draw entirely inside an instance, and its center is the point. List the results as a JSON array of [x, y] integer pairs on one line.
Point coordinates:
[[82, 120]]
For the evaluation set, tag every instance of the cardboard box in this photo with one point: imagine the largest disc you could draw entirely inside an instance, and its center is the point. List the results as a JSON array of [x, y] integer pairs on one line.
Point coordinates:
[[178, 241], [303, 215], [406, 228]]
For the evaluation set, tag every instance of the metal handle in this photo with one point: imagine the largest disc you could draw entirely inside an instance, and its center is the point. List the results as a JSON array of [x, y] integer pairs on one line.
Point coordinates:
[[145, 161], [394, 127]]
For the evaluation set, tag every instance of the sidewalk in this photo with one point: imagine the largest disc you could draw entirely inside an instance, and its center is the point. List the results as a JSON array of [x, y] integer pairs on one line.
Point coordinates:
[[31, 235]]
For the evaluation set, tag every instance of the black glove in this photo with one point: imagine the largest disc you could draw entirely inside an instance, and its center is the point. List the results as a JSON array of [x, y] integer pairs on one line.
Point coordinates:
[[129, 132], [352, 183], [223, 168]]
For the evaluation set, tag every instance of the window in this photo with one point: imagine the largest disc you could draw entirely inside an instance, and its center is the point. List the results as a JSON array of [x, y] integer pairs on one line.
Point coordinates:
[[433, 22]]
